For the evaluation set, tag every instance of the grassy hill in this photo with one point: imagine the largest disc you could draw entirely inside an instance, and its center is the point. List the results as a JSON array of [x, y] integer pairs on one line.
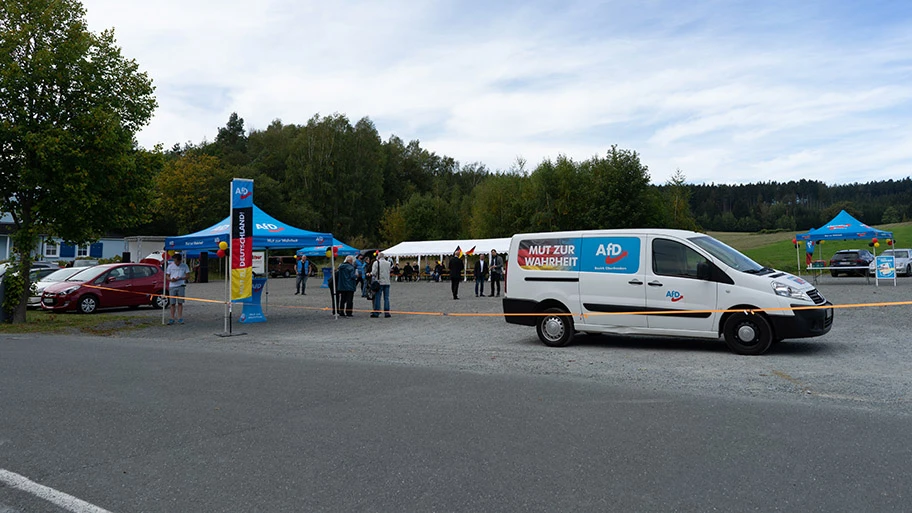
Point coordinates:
[[776, 249]]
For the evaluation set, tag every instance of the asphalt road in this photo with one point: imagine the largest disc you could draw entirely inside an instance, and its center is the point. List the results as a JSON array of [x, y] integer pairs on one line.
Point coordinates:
[[158, 424]]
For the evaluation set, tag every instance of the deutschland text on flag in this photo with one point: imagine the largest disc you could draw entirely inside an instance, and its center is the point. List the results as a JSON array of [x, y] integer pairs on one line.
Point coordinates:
[[241, 238]]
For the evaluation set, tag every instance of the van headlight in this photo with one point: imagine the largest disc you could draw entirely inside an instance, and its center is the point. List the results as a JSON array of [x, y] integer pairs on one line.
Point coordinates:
[[786, 290]]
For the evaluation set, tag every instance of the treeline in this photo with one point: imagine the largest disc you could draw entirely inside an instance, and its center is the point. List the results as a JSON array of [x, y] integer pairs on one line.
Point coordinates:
[[331, 175]]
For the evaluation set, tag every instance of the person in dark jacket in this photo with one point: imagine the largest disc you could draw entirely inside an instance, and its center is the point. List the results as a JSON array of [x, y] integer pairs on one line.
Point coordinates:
[[348, 279], [456, 268], [481, 274]]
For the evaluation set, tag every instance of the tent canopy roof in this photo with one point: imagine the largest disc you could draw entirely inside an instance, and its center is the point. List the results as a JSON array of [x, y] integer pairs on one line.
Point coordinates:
[[447, 247], [268, 233], [343, 249], [844, 227]]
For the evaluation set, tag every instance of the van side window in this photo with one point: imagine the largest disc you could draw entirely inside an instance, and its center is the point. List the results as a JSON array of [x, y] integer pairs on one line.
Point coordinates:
[[670, 258]]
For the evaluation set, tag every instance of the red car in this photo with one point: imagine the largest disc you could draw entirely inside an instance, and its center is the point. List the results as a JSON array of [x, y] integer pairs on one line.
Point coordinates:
[[120, 285]]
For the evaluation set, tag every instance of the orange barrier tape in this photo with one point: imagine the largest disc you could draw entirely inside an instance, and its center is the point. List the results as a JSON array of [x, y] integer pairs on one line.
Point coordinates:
[[503, 314], [197, 299]]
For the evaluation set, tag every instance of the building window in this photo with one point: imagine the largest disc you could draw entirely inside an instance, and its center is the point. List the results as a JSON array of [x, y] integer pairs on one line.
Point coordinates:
[[50, 249], [82, 251]]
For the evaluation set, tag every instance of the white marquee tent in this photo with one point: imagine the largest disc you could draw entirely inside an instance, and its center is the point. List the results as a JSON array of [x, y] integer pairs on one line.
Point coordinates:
[[441, 248], [445, 248]]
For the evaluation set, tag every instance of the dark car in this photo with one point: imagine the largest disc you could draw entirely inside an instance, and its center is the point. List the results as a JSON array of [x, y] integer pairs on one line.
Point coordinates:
[[106, 286], [282, 266], [856, 262]]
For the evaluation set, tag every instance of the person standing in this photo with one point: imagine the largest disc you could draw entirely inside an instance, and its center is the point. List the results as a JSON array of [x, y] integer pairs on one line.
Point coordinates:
[[302, 271], [481, 275], [456, 268], [496, 272], [359, 268], [177, 272], [347, 283], [381, 272]]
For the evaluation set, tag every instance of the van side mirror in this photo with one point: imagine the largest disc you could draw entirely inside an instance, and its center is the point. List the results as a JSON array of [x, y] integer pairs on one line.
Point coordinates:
[[704, 271]]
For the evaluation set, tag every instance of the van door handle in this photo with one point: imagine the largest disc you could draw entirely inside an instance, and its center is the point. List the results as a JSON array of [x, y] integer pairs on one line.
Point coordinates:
[[635, 282], [655, 283]]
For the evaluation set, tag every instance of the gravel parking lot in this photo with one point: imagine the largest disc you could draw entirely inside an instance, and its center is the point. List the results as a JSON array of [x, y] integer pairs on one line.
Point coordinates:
[[863, 362]]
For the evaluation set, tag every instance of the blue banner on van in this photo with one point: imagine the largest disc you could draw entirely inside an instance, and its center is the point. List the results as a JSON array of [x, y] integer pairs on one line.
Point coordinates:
[[618, 255]]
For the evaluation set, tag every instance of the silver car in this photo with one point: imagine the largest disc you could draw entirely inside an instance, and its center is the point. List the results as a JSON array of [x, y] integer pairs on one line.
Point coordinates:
[[903, 261], [34, 301]]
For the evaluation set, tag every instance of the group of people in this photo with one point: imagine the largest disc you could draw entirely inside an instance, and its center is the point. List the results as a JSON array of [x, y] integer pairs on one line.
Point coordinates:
[[481, 273], [408, 272], [373, 275]]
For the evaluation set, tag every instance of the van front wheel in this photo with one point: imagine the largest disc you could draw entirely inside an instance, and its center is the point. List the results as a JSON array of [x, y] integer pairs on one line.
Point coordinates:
[[748, 334], [555, 328]]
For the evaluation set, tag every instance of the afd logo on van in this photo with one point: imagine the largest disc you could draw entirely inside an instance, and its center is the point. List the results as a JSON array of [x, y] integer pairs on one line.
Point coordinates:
[[619, 255], [674, 295]]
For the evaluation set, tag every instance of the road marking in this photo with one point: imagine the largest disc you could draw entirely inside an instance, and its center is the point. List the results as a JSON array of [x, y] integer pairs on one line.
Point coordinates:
[[67, 502]]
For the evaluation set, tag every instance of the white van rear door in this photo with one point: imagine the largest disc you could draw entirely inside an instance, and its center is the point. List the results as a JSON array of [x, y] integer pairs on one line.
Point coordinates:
[[672, 285], [612, 280]]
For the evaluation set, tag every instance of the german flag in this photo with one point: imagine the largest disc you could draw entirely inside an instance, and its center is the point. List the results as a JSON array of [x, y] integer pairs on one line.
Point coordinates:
[[458, 252], [471, 251]]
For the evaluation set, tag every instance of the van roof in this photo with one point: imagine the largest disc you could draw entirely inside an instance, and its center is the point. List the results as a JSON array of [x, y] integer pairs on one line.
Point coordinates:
[[685, 234]]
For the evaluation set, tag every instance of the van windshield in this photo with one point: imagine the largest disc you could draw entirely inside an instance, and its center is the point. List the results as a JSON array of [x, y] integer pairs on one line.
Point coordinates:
[[730, 256]]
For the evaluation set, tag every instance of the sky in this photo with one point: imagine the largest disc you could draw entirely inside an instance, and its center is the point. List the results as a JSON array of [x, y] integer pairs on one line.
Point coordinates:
[[724, 91]]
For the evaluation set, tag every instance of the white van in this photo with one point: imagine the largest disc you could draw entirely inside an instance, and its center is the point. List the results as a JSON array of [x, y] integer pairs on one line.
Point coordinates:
[[655, 282]]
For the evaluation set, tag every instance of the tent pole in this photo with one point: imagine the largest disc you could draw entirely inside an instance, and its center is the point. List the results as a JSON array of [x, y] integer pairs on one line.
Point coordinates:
[[227, 298], [165, 283], [266, 285], [335, 288]]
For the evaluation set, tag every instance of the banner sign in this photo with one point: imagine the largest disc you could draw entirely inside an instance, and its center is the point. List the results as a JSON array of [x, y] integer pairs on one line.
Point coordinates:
[[549, 254], [241, 238], [616, 255], [253, 308], [885, 268]]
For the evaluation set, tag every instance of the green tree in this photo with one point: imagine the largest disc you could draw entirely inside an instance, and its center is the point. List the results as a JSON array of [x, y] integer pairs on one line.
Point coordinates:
[[70, 106], [891, 215], [193, 192], [677, 195]]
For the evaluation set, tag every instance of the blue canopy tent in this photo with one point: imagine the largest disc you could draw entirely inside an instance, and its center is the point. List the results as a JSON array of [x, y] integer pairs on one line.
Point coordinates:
[[342, 249], [268, 233], [844, 227], [841, 227]]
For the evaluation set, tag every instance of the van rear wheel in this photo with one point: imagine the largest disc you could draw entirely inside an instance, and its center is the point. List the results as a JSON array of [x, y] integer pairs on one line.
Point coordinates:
[[748, 334], [555, 328]]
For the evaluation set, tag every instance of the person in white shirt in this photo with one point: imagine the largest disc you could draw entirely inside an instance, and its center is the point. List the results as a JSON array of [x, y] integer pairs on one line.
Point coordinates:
[[177, 286]]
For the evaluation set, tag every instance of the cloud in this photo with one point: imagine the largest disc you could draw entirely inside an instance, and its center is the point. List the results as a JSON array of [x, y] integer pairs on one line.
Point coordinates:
[[727, 92]]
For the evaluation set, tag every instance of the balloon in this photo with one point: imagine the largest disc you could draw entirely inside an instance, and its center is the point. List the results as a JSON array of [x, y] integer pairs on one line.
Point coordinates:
[[220, 253], [794, 241], [328, 253], [889, 242], [223, 245], [876, 244], [335, 250], [870, 244], [874, 240], [170, 252]]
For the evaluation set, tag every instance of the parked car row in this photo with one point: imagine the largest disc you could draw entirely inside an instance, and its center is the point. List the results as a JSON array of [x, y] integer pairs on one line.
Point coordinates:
[[102, 286]]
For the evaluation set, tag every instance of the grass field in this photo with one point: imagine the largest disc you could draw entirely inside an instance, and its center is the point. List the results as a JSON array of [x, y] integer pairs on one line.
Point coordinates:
[[776, 249], [44, 322]]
